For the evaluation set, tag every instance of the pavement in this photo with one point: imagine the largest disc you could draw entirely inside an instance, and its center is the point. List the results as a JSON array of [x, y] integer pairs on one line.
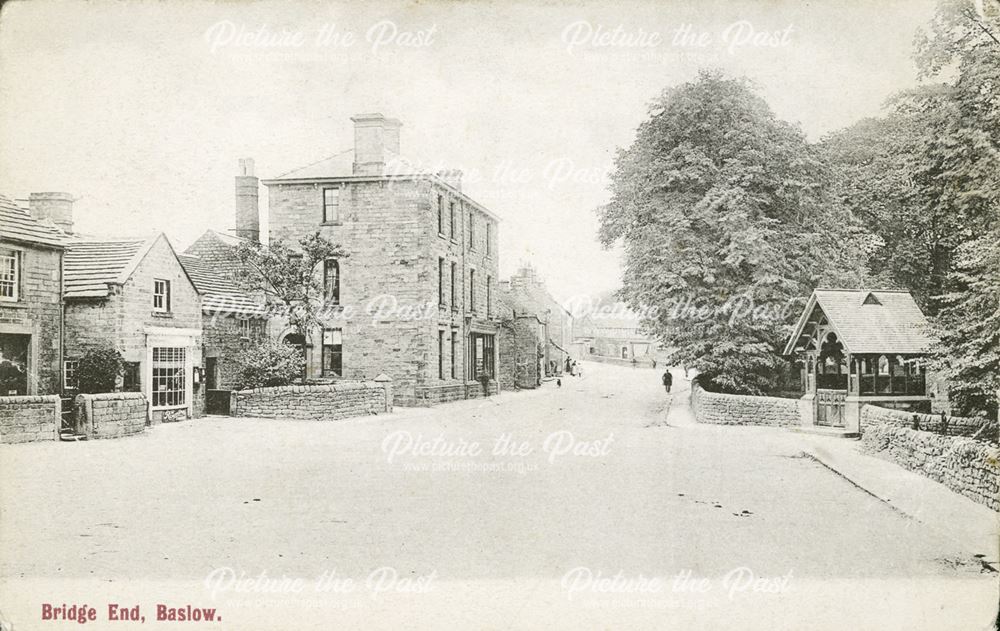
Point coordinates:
[[599, 504]]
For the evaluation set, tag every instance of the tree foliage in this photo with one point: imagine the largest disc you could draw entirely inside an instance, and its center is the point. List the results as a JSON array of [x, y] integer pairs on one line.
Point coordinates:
[[270, 363], [725, 208], [98, 370], [291, 276]]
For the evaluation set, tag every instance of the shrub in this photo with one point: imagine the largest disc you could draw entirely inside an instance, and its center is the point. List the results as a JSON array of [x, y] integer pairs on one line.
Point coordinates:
[[269, 363], [98, 370]]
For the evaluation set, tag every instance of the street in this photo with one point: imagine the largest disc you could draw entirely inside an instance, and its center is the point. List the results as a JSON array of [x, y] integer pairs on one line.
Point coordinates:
[[503, 513]]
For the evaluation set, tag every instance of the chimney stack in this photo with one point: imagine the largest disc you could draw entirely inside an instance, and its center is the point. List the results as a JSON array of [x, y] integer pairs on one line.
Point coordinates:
[[376, 140], [247, 207], [54, 207]]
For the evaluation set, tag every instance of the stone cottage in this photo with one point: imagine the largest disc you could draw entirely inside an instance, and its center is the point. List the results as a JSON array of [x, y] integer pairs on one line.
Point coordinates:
[[557, 323], [134, 295], [522, 347], [31, 255], [414, 298], [231, 318]]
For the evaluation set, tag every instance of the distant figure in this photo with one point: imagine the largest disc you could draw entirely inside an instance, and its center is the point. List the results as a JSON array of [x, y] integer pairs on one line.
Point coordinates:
[[579, 369], [559, 382], [634, 362], [668, 380], [569, 365], [654, 363]]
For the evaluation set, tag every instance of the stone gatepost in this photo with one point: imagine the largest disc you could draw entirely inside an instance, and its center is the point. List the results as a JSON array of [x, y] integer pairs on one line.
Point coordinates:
[[386, 382]]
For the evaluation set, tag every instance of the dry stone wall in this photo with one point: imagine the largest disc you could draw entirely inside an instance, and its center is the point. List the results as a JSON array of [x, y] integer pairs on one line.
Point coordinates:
[[331, 402], [28, 419], [110, 415], [735, 409], [966, 466], [952, 426]]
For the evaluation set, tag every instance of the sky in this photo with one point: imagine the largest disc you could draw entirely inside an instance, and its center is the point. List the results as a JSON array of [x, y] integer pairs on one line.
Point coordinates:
[[142, 109]]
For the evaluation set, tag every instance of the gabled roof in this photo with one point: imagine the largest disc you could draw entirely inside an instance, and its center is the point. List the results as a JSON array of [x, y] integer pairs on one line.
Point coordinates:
[[212, 267], [93, 265], [17, 224], [868, 321]]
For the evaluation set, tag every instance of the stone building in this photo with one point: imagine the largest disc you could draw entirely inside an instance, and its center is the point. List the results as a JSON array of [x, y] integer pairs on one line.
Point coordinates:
[[522, 346], [31, 255], [414, 297], [231, 318], [134, 295], [608, 331], [556, 333]]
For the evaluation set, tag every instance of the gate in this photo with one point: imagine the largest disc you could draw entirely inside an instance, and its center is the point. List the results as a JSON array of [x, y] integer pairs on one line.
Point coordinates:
[[217, 402], [830, 406]]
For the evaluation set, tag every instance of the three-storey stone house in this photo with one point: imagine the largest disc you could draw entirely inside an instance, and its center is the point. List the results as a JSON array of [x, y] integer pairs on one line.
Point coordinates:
[[414, 297]]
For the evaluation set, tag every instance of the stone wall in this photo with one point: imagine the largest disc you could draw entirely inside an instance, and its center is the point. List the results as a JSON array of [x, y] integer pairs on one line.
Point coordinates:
[[968, 467], [110, 415], [445, 393], [30, 418], [518, 346], [735, 409], [343, 399], [954, 426]]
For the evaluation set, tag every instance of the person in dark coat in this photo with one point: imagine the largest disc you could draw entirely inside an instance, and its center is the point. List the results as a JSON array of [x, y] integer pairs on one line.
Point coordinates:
[[668, 380]]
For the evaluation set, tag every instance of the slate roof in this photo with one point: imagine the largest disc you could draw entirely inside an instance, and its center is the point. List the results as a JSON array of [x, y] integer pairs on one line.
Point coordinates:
[[341, 165], [892, 323], [92, 265], [212, 272], [17, 224]]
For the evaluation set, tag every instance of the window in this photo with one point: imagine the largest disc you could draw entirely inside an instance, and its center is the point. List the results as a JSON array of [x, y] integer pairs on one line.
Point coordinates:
[[451, 210], [169, 379], [130, 377], [69, 374], [333, 353], [331, 205], [472, 230], [10, 272], [331, 281], [161, 296], [489, 296], [483, 350], [440, 215], [441, 282], [472, 290], [454, 302], [440, 354], [244, 326], [454, 354], [489, 238]]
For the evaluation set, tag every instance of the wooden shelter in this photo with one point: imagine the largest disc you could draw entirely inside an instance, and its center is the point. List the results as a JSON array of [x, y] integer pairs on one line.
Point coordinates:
[[857, 347]]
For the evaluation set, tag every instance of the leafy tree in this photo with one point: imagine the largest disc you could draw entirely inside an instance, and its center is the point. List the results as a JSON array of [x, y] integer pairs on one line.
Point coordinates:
[[270, 363], [963, 166], [291, 276], [726, 218], [98, 370]]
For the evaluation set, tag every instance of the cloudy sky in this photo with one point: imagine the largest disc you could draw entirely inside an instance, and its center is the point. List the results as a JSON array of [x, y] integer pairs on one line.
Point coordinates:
[[141, 109]]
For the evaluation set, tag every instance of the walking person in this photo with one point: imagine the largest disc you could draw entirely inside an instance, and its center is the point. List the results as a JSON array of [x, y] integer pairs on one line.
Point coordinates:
[[668, 380]]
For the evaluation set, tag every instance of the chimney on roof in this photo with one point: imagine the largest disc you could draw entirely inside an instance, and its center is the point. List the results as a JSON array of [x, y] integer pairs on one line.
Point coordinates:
[[54, 207], [452, 177], [376, 140], [247, 207]]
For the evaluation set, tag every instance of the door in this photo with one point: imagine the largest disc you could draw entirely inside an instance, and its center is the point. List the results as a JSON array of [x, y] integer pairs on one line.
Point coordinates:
[[211, 366], [14, 364], [830, 407]]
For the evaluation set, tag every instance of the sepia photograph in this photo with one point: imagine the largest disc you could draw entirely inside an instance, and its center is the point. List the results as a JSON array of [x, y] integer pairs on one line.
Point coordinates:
[[494, 315]]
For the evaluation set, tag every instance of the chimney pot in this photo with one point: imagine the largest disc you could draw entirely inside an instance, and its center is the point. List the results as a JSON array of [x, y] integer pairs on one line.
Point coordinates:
[[375, 137]]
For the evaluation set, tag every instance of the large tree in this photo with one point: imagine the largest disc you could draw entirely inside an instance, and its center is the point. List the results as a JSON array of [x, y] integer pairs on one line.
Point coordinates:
[[962, 166], [727, 226]]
